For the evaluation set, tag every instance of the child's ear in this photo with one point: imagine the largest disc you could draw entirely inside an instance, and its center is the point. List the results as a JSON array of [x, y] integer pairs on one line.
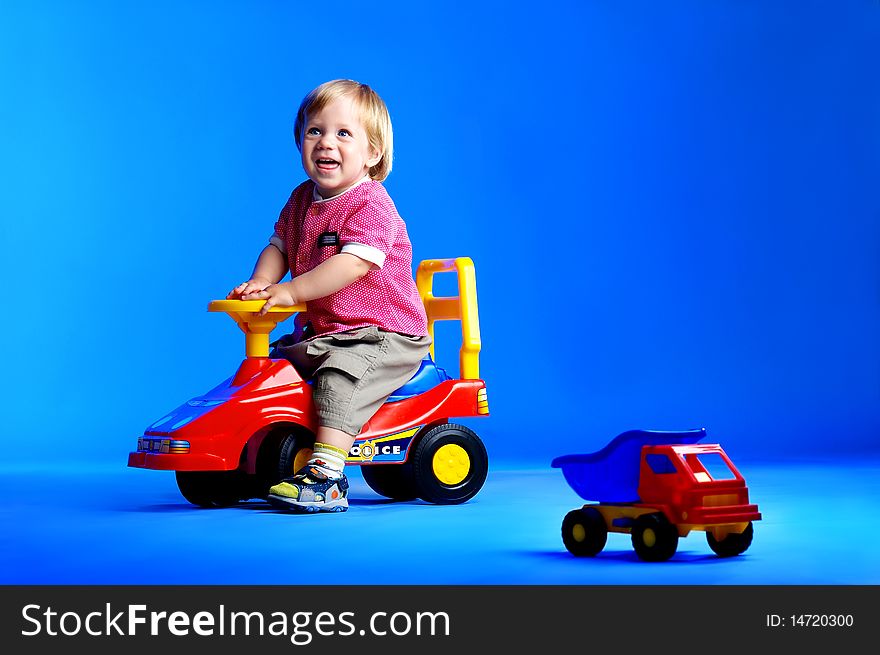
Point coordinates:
[[375, 157]]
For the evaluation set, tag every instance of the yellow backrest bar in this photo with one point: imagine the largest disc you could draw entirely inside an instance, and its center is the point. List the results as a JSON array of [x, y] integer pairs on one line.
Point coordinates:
[[462, 307]]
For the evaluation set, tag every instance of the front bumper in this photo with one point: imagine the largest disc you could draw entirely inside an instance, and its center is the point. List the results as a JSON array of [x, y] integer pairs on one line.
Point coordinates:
[[168, 462]]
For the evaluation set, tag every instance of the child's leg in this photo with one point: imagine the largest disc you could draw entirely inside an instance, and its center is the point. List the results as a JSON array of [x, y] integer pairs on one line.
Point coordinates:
[[357, 372], [338, 440], [330, 452]]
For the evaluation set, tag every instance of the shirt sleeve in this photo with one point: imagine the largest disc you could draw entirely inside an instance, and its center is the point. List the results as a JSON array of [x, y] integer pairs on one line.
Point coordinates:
[[278, 242], [279, 237], [369, 232], [367, 253]]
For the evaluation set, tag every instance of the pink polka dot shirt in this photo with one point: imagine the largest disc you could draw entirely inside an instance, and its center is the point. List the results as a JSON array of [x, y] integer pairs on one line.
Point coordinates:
[[362, 221]]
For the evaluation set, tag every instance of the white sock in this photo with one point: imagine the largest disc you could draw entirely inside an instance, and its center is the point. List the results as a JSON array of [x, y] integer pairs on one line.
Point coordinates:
[[328, 459]]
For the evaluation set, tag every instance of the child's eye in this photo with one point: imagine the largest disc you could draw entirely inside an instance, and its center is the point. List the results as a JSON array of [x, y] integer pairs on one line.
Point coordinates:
[[313, 131], [343, 133]]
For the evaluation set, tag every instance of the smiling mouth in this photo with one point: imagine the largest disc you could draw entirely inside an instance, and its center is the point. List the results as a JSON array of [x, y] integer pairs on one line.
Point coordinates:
[[326, 164]]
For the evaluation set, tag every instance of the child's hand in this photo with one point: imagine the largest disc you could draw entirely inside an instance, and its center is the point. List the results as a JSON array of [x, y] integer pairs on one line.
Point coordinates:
[[274, 294], [254, 284]]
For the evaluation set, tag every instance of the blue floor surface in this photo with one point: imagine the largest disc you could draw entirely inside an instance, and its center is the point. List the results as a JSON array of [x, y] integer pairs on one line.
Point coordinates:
[[114, 525]]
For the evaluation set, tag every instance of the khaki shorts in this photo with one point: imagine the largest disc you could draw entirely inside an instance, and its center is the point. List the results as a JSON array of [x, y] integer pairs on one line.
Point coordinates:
[[354, 371]]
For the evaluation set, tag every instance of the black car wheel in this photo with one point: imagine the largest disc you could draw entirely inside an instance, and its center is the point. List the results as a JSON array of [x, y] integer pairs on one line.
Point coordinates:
[[293, 454], [212, 489], [393, 481], [449, 465], [284, 451]]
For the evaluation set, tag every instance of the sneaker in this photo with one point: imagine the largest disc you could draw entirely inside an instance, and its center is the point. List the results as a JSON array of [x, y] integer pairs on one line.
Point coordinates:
[[310, 490]]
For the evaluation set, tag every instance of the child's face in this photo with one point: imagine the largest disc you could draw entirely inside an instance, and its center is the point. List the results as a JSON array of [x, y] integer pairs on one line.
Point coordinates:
[[336, 152]]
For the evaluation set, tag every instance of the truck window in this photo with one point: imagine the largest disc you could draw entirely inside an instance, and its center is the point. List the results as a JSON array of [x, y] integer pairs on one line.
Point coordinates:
[[709, 466], [660, 464]]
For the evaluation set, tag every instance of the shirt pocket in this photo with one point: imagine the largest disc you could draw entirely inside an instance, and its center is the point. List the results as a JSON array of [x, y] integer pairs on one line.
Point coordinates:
[[353, 365]]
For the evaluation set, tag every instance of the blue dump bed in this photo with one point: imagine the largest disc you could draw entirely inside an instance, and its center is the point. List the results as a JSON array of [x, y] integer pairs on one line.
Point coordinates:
[[611, 475]]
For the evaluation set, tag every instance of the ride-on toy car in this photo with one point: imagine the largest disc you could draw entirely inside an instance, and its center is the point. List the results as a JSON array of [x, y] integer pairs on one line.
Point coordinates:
[[257, 427], [657, 486]]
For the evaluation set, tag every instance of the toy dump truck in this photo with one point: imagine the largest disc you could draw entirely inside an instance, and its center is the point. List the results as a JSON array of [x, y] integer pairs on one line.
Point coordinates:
[[657, 486]]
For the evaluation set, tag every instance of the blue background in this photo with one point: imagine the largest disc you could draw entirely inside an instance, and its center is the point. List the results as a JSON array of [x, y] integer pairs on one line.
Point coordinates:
[[671, 206]]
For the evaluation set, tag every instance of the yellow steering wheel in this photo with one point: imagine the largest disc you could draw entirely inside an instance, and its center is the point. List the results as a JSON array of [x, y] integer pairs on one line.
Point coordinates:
[[256, 328]]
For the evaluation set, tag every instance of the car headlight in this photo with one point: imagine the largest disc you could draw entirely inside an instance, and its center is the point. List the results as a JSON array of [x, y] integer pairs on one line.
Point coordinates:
[[169, 446]]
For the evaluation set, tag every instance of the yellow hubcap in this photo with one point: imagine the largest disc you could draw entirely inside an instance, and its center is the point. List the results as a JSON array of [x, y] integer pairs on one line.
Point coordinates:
[[451, 464], [302, 458], [578, 533], [649, 538]]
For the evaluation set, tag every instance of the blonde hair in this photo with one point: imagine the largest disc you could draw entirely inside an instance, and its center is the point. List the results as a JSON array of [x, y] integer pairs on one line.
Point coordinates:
[[374, 116]]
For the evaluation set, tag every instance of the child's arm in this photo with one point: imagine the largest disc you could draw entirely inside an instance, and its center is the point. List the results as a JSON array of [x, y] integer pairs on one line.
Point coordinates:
[[327, 278], [270, 268]]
